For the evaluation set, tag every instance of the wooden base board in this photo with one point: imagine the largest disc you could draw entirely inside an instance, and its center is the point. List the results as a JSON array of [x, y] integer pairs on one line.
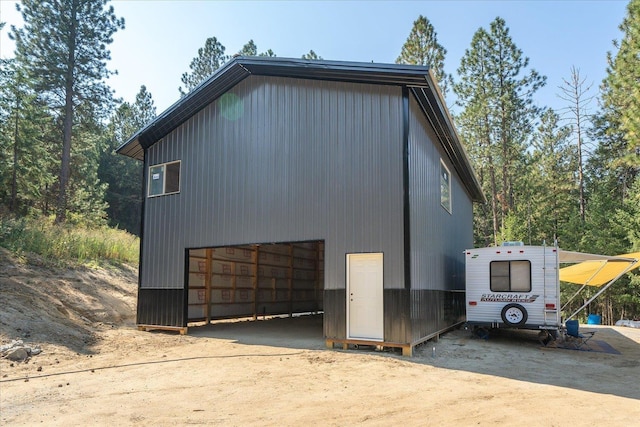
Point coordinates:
[[146, 328], [407, 349]]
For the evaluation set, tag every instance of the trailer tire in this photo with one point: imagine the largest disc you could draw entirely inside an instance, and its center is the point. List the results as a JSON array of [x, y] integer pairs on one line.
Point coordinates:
[[514, 315]]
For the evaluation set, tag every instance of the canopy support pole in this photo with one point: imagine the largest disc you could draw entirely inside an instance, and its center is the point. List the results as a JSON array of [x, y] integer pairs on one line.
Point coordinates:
[[585, 284], [572, 298], [604, 288]]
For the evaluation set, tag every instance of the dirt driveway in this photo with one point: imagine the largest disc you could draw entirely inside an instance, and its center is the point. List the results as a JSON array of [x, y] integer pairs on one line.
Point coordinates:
[[278, 372]]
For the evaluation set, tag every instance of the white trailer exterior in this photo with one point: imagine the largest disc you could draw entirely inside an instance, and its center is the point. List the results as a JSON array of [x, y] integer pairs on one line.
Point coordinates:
[[513, 286]]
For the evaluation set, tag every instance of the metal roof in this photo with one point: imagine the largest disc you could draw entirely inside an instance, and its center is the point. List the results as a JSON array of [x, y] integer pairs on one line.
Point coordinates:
[[417, 78]]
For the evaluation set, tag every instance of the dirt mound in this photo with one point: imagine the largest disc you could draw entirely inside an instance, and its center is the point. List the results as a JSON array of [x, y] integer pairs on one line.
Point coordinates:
[[63, 307]]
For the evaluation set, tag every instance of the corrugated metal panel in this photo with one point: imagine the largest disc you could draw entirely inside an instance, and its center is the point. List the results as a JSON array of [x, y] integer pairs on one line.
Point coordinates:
[[335, 313], [433, 311], [438, 238], [164, 307], [419, 78], [240, 67], [397, 316], [297, 160], [432, 105]]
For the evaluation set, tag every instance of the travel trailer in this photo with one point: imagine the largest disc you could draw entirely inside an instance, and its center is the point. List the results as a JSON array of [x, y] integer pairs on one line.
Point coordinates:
[[513, 286], [518, 286]]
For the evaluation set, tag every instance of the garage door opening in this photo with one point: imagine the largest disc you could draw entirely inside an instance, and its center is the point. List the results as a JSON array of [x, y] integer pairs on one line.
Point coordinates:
[[255, 280]]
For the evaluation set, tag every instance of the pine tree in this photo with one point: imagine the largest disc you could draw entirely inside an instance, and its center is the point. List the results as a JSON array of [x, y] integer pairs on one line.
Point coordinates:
[[606, 184], [611, 178], [551, 184], [269, 53], [476, 123], [25, 147], [312, 55], [576, 93], [612, 226], [144, 109], [496, 94], [628, 215], [86, 201], [209, 59], [63, 47], [621, 94], [613, 167], [422, 48], [250, 49], [122, 174]]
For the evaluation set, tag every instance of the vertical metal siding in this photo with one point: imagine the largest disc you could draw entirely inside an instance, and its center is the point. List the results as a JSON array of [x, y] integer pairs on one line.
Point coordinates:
[[335, 325], [397, 316], [306, 160], [161, 307], [438, 238]]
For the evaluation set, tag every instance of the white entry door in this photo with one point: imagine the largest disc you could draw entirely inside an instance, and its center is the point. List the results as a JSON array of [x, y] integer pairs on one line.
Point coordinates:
[[365, 297]]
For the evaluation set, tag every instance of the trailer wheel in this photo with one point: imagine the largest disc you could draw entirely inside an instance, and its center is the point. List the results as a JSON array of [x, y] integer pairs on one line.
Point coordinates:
[[514, 315]]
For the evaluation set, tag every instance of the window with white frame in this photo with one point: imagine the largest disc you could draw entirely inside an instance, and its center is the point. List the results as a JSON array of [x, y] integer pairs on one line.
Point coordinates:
[[164, 179], [445, 187]]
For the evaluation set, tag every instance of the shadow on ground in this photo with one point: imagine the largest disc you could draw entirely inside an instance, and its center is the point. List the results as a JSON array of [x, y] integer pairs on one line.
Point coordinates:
[[512, 354], [299, 332]]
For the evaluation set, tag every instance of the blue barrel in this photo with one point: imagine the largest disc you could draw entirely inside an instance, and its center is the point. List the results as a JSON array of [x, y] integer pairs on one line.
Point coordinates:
[[594, 319]]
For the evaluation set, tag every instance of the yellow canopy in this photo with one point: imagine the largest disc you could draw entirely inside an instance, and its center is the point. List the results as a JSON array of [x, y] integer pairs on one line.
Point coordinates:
[[598, 270]]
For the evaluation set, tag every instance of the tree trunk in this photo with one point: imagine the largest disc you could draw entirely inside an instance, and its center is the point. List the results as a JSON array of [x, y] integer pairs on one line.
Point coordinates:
[[14, 174], [580, 172], [505, 205], [65, 164], [575, 93], [494, 206]]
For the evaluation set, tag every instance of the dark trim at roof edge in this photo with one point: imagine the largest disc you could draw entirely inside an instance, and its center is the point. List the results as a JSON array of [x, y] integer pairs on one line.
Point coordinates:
[[434, 107]]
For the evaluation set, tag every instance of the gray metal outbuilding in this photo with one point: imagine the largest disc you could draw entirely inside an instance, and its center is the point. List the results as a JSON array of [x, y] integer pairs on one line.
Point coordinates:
[[288, 185]]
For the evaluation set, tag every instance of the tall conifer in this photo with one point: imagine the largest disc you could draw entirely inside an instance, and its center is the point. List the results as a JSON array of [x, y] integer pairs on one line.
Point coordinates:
[[422, 48], [63, 47], [621, 93], [575, 92], [495, 90], [124, 175], [210, 57]]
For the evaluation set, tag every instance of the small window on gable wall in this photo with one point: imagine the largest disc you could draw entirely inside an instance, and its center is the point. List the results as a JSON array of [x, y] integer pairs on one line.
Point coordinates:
[[164, 179], [445, 187]]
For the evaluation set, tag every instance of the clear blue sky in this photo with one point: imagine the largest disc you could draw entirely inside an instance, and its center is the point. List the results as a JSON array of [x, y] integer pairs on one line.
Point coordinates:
[[162, 37]]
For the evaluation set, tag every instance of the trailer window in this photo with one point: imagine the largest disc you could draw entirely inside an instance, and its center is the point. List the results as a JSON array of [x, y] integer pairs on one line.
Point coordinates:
[[507, 276]]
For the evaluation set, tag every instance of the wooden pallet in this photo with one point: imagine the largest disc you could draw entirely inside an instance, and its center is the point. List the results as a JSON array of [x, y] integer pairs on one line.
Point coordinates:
[[146, 328], [407, 349]]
